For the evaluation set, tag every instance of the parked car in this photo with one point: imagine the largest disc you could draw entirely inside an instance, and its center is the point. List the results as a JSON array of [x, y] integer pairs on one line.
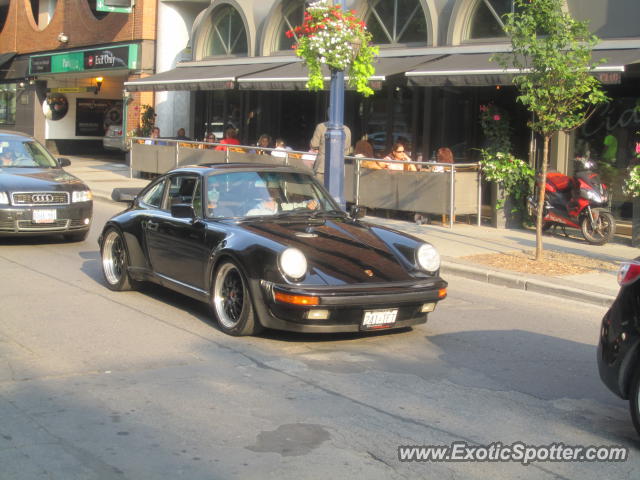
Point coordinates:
[[619, 346], [115, 139], [267, 246], [37, 197]]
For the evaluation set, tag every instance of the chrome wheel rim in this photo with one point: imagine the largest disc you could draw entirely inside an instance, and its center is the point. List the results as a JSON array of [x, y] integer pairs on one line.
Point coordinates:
[[113, 258], [229, 296]]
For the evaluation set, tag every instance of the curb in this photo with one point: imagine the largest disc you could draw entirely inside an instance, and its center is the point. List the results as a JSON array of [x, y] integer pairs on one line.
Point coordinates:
[[522, 283]]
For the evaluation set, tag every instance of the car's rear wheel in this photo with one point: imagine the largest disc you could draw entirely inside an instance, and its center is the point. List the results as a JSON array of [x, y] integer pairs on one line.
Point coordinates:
[[231, 301], [115, 261], [634, 399]]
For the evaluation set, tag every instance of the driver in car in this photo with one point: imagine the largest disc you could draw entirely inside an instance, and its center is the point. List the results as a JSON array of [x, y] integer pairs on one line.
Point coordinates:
[[268, 203]]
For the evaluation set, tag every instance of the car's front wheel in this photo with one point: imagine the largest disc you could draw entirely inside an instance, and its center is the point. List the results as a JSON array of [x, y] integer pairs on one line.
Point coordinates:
[[115, 261], [231, 301], [634, 399]]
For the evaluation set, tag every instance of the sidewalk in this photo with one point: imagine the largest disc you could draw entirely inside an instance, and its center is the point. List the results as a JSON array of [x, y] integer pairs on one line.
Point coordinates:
[[103, 175]]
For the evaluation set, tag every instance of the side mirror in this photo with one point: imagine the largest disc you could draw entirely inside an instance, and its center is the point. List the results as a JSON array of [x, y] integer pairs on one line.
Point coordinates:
[[183, 210], [64, 162], [357, 211], [126, 195]]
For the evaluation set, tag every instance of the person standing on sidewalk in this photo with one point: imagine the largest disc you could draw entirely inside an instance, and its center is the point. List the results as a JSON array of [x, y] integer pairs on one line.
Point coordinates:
[[318, 142]]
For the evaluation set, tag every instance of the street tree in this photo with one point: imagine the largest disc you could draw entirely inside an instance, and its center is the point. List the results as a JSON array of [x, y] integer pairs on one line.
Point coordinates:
[[552, 52]]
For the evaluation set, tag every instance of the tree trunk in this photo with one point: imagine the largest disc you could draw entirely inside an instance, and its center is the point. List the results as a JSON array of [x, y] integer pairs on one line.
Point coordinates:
[[542, 180]]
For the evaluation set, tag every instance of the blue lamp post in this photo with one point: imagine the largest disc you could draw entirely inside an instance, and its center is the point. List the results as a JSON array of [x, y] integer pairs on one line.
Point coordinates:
[[334, 138]]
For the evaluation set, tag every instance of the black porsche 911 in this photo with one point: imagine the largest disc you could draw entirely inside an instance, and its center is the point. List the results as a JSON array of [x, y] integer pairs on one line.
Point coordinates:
[[267, 246], [37, 197]]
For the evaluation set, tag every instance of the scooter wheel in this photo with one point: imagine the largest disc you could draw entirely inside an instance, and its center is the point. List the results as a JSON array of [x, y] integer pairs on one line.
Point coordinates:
[[602, 232]]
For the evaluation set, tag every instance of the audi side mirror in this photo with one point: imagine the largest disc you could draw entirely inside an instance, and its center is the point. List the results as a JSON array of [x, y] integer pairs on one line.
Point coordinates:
[[64, 162]]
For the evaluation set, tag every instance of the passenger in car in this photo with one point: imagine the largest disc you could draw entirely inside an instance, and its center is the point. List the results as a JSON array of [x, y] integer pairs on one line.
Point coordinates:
[[6, 158]]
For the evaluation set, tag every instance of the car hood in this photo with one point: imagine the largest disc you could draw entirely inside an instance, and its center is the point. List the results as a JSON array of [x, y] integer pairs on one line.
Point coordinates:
[[33, 179], [341, 251]]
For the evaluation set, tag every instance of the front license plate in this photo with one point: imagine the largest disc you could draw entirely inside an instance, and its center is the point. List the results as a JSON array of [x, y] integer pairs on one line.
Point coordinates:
[[44, 216], [379, 318]]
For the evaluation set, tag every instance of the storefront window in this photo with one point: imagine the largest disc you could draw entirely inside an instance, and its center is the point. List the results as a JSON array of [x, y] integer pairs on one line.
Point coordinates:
[[609, 138], [292, 16], [8, 103], [397, 22], [486, 20], [228, 35]]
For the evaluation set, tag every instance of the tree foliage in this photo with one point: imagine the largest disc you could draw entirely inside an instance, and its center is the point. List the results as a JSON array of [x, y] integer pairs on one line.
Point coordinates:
[[552, 52]]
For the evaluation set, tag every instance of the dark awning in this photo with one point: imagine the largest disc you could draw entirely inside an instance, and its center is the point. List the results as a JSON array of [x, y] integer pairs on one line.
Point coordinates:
[[192, 77], [463, 69], [477, 69], [290, 76], [294, 75]]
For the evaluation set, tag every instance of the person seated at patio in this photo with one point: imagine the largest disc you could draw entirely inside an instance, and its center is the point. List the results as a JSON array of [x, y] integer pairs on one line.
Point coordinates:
[[443, 155], [364, 149], [281, 149], [397, 153], [264, 141], [230, 138]]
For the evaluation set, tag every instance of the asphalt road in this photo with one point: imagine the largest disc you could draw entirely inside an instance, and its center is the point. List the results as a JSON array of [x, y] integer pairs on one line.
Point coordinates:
[[97, 384]]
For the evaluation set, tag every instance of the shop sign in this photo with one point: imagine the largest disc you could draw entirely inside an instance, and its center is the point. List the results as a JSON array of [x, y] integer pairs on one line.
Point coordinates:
[[71, 89], [114, 6], [124, 56], [94, 115]]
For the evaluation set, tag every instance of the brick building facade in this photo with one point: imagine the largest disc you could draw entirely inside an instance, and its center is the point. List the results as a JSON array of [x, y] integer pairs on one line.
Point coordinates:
[[49, 47]]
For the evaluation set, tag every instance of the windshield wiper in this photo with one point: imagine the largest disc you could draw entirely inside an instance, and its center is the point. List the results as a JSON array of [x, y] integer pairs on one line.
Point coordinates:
[[317, 213]]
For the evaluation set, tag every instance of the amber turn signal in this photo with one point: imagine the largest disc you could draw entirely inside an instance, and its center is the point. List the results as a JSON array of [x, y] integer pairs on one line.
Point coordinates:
[[442, 293], [296, 299]]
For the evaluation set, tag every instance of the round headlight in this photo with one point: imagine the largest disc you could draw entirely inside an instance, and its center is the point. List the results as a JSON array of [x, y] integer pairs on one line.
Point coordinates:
[[428, 258], [293, 263]]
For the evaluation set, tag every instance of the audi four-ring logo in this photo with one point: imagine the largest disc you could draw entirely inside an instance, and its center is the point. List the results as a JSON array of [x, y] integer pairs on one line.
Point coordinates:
[[42, 198]]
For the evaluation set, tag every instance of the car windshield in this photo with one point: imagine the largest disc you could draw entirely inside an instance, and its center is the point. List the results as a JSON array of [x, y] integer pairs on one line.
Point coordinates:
[[25, 154], [254, 194]]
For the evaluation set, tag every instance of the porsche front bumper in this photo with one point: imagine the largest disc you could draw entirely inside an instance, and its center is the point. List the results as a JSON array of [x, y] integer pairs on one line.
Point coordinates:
[[347, 306]]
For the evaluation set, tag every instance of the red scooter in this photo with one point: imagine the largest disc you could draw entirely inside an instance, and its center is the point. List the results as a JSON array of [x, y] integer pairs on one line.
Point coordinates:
[[580, 202]]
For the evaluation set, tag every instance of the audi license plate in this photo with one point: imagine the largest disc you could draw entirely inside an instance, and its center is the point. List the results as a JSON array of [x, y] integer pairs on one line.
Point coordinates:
[[44, 216], [379, 318]]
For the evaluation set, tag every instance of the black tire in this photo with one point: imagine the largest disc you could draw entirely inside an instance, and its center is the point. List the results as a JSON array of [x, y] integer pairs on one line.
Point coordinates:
[[76, 237], [115, 261], [546, 226], [231, 301], [602, 233], [634, 399]]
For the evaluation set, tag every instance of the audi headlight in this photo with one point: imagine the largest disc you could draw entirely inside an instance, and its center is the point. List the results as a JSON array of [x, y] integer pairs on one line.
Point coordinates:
[[81, 196], [428, 258], [4, 198], [293, 263]]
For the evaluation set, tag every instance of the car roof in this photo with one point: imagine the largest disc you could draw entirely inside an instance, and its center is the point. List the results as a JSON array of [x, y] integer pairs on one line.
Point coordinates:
[[207, 168], [12, 135]]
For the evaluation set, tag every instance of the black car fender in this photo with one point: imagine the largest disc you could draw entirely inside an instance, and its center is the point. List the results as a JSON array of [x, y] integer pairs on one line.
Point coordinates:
[[629, 365], [135, 253]]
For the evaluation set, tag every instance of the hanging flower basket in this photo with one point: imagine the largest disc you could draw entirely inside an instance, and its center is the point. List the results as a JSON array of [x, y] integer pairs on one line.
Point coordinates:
[[328, 36]]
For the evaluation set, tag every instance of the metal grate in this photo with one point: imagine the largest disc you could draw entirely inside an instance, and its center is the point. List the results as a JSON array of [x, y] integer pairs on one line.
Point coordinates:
[[28, 225], [40, 198]]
